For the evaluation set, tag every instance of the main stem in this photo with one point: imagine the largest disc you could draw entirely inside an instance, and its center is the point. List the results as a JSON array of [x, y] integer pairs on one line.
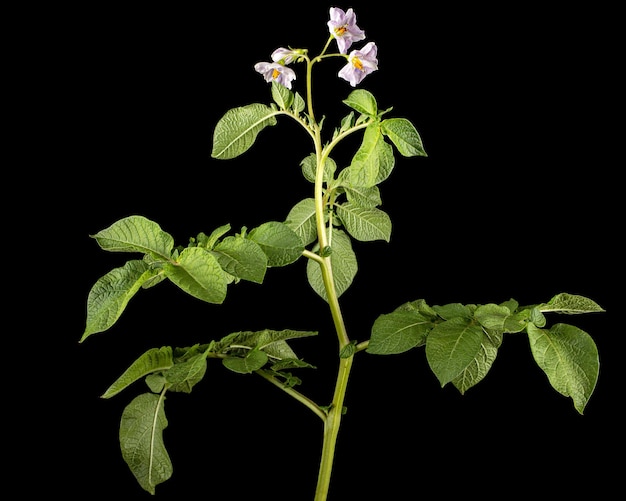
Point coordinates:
[[332, 421], [331, 429], [332, 418]]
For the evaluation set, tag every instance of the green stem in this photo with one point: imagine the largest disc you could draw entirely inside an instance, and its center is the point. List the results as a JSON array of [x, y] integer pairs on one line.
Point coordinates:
[[332, 421], [331, 430], [332, 418], [294, 393]]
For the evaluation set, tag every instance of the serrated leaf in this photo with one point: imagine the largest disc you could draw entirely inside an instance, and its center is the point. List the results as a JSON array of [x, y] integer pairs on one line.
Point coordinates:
[[301, 219], [280, 243], [136, 234], [404, 136], [141, 440], [343, 261], [451, 346], [110, 295], [153, 360], [365, 224], [569, 357], [571, 304], [398, 332], [242, 258], [238, 129], [198, 273]]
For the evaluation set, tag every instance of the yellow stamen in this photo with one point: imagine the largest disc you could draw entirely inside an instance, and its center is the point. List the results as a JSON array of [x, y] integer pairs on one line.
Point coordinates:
[[341, 31], [275, 73], [357, 63]]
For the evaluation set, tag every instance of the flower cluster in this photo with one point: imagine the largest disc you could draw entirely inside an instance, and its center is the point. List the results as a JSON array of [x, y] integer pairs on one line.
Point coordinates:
[[344, 30]]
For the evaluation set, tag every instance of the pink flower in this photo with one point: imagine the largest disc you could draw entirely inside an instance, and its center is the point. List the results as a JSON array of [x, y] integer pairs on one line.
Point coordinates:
[[342, 26], [284, 56], [360, 63], [276, 71]]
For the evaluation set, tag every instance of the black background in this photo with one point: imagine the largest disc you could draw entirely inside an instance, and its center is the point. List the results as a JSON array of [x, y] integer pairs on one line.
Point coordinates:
[[516, 199]]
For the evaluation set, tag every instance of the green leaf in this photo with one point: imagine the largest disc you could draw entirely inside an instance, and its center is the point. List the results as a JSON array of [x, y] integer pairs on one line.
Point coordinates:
[[365, 224], [156, 382], [253, 361], [183, 376], [571, 304], [451, 346], [347, 122], [153, 360], [282, 96], [208, 242], [241, 258], [365, 197], [309, 168], [452, 310], [536, 317], [141, 440], [480, 365], [421, 306], [198, 273], [291, 363], [301, 219], [344, 263], [136, 234], [109, 296], [348, 350], [569, 357], [492, 316], [298, 103], [270, 341], [238, 129], [362, 101], [404, 136], [373, 161], [280, 243], [398, 332]]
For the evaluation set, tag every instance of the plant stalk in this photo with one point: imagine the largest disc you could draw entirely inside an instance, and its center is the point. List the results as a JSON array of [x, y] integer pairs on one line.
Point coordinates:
[[331, 429], [332, 420]]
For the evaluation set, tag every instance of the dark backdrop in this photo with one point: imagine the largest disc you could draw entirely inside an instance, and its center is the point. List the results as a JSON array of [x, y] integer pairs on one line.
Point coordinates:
[[516, 199]]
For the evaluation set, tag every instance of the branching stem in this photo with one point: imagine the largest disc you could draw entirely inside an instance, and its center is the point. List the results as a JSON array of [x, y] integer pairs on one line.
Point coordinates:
[[294, 393]]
